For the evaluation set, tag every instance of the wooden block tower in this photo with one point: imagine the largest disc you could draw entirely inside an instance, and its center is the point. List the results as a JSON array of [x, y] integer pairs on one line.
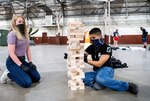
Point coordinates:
[[75, 58]]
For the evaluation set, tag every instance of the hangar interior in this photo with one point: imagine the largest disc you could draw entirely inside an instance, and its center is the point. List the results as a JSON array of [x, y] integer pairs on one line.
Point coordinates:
[[50, 17]]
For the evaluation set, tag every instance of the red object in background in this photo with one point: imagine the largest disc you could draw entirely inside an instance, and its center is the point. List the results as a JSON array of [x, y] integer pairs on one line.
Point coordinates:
[[116, 38]]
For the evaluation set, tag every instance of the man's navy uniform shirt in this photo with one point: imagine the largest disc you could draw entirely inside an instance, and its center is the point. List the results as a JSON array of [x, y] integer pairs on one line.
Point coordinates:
[[97, 51]]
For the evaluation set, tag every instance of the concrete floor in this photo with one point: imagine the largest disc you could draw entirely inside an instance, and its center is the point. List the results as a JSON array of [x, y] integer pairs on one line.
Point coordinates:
[[53, 84]]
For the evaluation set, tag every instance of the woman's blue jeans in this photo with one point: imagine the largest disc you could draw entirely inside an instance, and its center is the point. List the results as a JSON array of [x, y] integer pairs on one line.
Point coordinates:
[[104, 77], [22, 78]]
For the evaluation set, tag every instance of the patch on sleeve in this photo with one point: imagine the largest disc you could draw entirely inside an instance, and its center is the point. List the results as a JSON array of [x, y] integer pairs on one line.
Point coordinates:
[[108, 50]]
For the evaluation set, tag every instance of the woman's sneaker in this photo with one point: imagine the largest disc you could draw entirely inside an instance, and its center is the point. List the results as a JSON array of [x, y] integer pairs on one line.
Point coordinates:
[[4, 77]]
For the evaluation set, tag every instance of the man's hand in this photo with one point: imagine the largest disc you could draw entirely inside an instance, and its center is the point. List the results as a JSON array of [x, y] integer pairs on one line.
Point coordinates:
[[85, 58], [32, 65], [25, 68]]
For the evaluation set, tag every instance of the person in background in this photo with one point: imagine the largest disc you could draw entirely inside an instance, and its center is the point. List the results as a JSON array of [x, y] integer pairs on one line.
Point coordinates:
[[115, 38], [103, 72], [144, 36], [18, 69]]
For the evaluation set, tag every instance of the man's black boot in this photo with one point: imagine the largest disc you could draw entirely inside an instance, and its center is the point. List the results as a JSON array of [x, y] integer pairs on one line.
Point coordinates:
[[133, 88]]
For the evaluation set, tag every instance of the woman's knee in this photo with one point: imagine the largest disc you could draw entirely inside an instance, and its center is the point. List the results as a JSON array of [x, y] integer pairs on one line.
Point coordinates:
[[25, 83], [37, 78]]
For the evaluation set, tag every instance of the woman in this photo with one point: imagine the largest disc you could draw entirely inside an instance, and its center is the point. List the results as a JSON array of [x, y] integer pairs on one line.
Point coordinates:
[[20, 71], [115, 38]]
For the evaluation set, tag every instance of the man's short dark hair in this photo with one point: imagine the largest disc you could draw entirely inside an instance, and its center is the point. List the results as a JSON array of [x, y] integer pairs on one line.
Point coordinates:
[[141, 27], [95, 31]]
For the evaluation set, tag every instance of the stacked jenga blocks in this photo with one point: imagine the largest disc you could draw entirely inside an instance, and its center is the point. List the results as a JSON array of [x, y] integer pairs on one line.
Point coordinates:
[[75, 58]]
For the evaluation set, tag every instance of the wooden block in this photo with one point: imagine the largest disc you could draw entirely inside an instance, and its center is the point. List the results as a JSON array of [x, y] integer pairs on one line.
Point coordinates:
[[75, 39], [76, 27], [69, 67], [72, 49], [78, 48], [72, 85], [81, 86], [74, 70], [74, 34], [77, 55], [75, 31], [72, 74], [79, 37], [81, 66], [73, 88], [73, 52], [72, 62], [77, 75], [77, 62], [74, 43]]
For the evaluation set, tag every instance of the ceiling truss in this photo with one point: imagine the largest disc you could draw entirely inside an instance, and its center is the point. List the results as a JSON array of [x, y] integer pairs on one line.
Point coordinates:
[[70, 8]]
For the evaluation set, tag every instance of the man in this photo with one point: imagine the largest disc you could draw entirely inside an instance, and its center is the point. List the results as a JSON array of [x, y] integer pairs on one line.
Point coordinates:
[[103, 73], [144, 37]]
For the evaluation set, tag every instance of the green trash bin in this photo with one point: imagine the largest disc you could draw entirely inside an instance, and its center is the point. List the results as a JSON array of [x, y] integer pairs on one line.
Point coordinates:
[[3, 37]]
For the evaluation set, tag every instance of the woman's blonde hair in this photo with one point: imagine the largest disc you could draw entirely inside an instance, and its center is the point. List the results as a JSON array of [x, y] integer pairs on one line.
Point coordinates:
[[16, 30]]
